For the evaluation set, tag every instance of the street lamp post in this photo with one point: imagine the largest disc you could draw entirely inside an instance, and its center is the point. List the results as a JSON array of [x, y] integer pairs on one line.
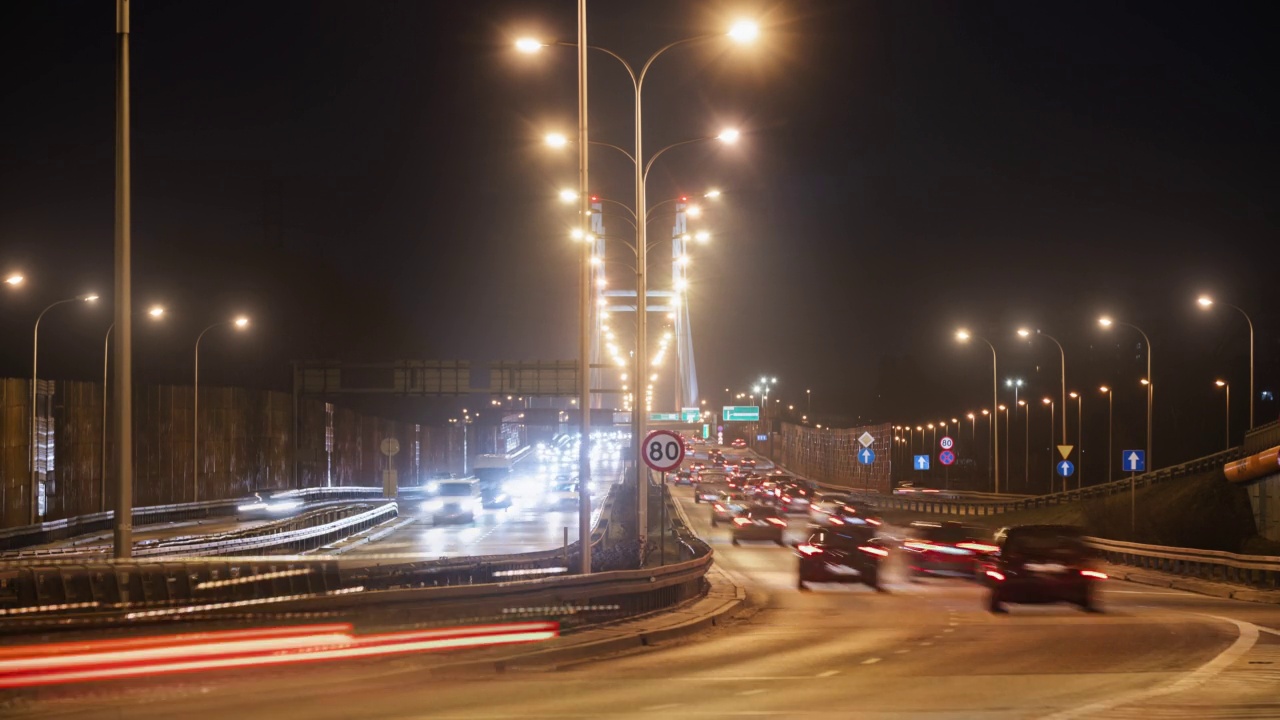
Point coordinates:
[[963, 336], [1079, 437], [1206, 302], [1023, 332], [1026, 443], [1107, 322], [991, 431], [1016, 384], [1049, 401], [156, 313], [240, 323], [1110, 416], [35, 382], [1226, 386]]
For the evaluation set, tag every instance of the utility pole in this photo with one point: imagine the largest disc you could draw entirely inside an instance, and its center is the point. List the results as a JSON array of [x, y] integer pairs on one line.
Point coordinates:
[[123, 533], [584, 340]]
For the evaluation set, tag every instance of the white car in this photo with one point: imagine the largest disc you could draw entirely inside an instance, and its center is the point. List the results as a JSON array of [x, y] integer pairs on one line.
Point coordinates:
[[562, 496]]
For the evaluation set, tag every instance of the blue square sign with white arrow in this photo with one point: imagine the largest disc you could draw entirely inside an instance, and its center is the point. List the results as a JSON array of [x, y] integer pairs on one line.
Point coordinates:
[[1134, 460], [866, 456], [922, 462]]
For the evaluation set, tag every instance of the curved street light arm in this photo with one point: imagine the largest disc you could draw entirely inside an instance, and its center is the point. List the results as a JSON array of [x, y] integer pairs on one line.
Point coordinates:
[[619, 148], [649, 164], [644, 70]]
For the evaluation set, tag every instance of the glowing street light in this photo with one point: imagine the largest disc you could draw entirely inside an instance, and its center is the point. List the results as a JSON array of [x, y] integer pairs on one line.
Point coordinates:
[[239, 323], [1226, 386], [963, 335], [568, 195], [555, 140], [1206, 302], [744, 31], [729, 136], [529, 45], [1107, 323], [14, 279]]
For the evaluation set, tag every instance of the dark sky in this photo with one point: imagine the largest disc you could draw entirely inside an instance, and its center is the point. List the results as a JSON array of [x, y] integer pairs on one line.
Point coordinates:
[[366, 180]]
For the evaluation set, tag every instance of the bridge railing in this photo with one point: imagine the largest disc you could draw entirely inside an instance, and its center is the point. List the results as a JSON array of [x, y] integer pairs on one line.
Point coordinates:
[[1259, 571], [992, 506]]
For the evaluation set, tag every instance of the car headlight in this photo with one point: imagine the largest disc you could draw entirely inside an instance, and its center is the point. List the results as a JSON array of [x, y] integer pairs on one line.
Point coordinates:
[[433, 487], [284, 505], [433, 505], [251, 506]]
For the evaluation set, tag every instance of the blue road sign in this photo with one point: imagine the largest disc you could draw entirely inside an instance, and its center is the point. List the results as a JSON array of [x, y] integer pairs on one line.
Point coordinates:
[[1134, 460], [762, 437], [1066, 468], [866, 456], [946, 457], [922, 462]]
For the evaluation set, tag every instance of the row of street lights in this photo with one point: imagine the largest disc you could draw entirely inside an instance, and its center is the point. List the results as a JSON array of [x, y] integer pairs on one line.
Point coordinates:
[[742, 33], [155, 312]]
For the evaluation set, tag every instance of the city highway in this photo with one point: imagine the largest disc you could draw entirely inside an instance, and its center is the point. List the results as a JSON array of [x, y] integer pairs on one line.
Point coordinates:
[[926, 649]]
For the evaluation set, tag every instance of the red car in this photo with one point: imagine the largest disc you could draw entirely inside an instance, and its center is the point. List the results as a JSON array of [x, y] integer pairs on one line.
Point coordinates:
[[947, 549]]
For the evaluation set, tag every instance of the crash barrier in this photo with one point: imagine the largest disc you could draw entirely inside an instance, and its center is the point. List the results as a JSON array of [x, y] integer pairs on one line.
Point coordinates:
[[68, 593], [1260, 571], [943, 506], [321, 513], [1257, 466], [56, 530]]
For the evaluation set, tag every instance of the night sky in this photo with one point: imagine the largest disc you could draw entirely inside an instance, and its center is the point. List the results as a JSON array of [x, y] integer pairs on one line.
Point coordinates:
[[367, 181]]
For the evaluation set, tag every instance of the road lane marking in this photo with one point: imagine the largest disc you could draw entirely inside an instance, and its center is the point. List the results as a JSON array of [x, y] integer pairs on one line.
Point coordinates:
[[667, 706], [925, 644], [828, 673], [871, 661], [949, 630], [1244, 642], [744, 693], [902, 651]]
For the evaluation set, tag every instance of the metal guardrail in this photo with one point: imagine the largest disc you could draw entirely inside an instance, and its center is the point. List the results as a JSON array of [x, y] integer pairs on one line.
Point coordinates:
[[942, 506], [55, 530], [1260, 571]]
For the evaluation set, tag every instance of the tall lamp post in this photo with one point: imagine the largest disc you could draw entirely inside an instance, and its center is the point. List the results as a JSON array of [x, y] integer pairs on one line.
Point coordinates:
[[240, 323], [35, 382], [1079, 437], [1226, 386], [1025, 333], [156, 312], [1206, 302], [1016, 384], [1026, 442], [1110, 417], [1049, 402], [1107, 322], [963, 336]]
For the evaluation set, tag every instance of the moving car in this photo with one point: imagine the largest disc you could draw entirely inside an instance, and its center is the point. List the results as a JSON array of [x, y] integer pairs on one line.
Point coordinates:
[[726, 506], [758, 522], [738, 444], [842, 554], [823, 504], [563, 495], [683, 477], [747, 463], [269, 504], [455, 502], [709, 487], [793, 497], [946, 549], [1042, 564]]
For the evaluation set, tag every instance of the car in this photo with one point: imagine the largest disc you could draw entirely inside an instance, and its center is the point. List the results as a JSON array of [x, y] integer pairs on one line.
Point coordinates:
[[269, 504], [843, 554], [683, 477], [747, 463], [726, 506], [758, 522], [455, 502], [709, 487], [738, 444], [851, 513], [697, 467], [717, 462], [1042, 564], [793, 497], [562, 495], [823, 504], [946, 549]]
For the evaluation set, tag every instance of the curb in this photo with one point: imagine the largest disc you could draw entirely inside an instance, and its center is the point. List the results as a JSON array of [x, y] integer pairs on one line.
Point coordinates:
[[1199, 587]]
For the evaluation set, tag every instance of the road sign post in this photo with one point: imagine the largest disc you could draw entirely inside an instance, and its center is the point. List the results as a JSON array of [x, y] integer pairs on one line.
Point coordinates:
[[662, 450], [1133, 462]]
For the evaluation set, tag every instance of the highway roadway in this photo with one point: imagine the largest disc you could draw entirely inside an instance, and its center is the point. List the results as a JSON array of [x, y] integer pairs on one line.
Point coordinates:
[[925, 649]]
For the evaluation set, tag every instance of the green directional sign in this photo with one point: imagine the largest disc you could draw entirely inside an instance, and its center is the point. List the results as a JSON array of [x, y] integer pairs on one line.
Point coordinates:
[[741, 413], [690, 415], [664, 417], [706, 431]]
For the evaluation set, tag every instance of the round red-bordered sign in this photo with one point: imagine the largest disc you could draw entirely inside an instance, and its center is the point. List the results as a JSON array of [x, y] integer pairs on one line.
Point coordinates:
[[946, 457], [662, 450]]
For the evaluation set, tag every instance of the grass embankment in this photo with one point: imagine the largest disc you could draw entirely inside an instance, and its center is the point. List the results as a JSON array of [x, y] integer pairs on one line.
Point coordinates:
[[1198, 511]]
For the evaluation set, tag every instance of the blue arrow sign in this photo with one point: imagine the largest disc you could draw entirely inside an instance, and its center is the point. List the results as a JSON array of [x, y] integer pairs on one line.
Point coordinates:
[[922, 462], [1066, 468], [1134, 460], [866, 456]]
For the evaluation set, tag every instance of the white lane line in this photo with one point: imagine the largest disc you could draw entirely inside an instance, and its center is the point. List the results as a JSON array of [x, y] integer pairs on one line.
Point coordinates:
[[902, 651], [667, 706], [744, 693], [828, 673], [925, 644], [1248, 635], [871, 661], [949, 630]]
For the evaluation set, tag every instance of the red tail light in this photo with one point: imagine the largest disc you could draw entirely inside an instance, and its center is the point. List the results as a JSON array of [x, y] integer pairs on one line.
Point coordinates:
[[870, 550], [786, 498], [719, 507], [977, 547], [916, 545], [836, 521], [997, 576], [1094, 574], [808, 549], [741, 522], [872, 521], [778, 521]]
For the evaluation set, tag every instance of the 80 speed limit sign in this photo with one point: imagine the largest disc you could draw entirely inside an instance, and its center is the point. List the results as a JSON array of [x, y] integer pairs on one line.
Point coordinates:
[[663, 451]]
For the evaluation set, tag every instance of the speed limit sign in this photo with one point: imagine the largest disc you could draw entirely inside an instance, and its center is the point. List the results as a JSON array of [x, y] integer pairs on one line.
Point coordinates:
[[663, 451], [946, 442]]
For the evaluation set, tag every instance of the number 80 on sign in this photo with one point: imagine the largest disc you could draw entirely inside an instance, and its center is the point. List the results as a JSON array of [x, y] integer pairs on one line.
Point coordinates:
[[663, 450]]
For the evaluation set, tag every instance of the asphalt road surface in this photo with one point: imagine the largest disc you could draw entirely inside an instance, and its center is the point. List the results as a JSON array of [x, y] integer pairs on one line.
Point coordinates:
[[925, 649]]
